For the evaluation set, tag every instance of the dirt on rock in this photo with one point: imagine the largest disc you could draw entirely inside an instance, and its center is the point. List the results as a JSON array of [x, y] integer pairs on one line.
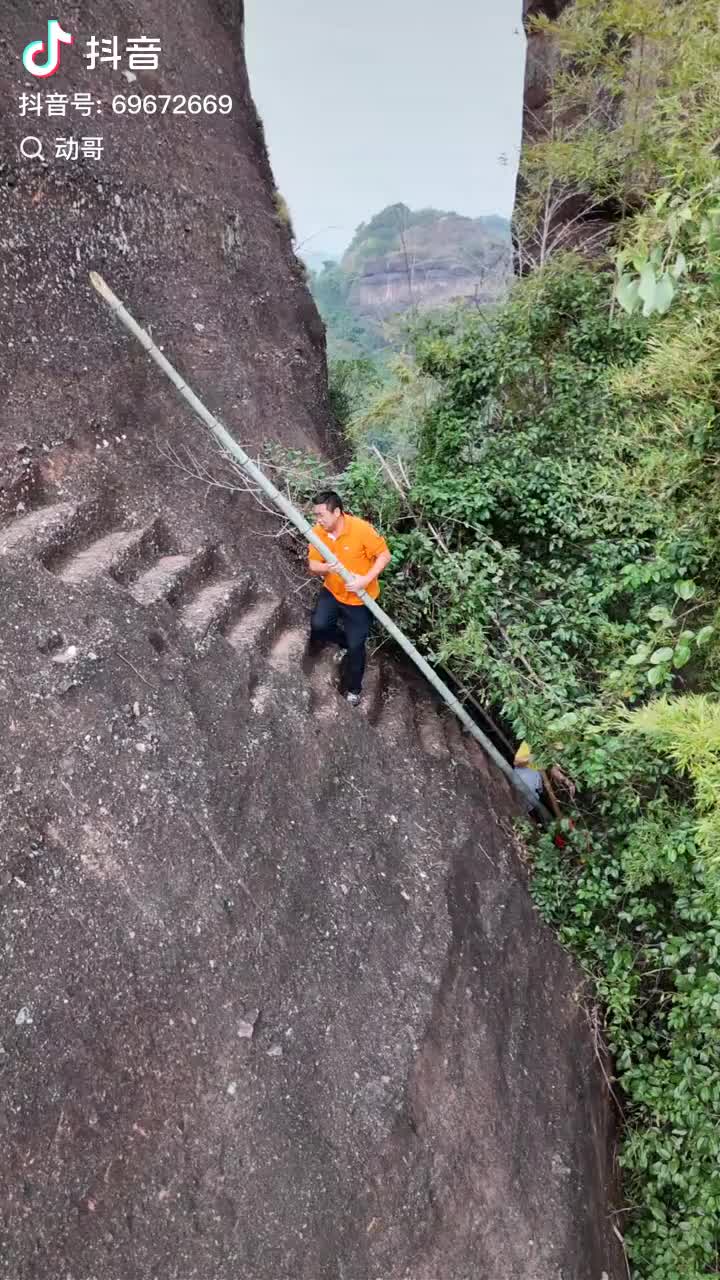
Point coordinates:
[[274, 1002]]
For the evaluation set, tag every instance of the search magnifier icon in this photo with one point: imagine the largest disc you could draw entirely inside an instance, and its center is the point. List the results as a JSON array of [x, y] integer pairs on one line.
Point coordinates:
[[31, 148]]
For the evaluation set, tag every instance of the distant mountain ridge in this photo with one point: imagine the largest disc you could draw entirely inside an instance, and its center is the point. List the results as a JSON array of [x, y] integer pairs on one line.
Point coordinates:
[[403, 260], [424, 259]]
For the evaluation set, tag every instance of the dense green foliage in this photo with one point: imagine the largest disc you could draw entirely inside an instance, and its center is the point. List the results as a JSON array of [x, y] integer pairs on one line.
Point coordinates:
[[383, 232], [555, 532]]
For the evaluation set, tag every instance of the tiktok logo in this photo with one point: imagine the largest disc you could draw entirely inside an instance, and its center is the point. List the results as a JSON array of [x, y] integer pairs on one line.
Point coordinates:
[[55, 37]]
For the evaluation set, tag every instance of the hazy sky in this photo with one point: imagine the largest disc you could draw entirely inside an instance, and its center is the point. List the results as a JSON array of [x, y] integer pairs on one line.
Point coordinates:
[[368, 102]]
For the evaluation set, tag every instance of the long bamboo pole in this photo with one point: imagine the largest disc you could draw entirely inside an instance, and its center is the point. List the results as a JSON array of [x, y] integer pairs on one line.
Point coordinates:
[[295, 517]]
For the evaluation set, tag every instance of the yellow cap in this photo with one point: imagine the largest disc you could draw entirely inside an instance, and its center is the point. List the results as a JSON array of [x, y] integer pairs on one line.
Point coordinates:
[[523, 754]]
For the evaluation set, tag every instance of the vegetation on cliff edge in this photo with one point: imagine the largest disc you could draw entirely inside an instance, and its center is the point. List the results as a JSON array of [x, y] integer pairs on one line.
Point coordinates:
[[555, 525]]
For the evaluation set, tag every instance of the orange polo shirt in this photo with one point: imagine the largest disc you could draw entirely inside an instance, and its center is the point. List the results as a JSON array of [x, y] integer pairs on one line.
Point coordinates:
[[357, 547]]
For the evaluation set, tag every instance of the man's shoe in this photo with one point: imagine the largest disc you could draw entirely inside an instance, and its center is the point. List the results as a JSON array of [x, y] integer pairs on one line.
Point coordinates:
[[353, 699], [340, 656]]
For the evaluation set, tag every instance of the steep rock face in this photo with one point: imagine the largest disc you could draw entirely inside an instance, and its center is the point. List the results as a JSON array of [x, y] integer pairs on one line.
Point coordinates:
[[179, 212], [273, 999], [538, 63], [572, 219]]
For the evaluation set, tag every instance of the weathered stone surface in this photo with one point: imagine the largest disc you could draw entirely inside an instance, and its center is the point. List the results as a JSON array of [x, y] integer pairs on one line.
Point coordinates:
[[445, 260], [538, 63], [178, 214], [196, 837], [176, 857]]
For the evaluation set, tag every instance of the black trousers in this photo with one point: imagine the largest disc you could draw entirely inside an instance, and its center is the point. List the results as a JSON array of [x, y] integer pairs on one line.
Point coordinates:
[[344, 624]]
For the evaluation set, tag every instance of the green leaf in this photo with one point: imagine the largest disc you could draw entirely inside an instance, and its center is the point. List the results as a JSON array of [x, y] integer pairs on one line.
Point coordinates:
[[659, 614], [565, 722], [656, 294], [627, 293], [679, 267], [686, 589], [661, 655], [664, 293], [637, 659], [704, 636], [646, 288], [681, 656], [655, 675]]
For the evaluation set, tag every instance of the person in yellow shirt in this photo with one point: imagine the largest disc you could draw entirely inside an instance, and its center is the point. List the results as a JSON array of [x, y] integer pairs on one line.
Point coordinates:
[[339, 616], [540, 780]]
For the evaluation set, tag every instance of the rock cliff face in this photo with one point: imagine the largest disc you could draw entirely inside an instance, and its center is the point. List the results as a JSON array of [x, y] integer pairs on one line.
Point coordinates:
[[179, 211], [449, 259], [574, 221], [538, 63], [273, 999]]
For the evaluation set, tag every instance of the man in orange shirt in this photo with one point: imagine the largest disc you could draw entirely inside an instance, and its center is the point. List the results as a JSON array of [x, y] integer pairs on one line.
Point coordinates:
[[340, 617]]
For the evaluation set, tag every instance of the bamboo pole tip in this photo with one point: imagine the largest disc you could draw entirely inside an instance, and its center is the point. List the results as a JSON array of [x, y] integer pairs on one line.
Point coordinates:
[[103, 289]]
